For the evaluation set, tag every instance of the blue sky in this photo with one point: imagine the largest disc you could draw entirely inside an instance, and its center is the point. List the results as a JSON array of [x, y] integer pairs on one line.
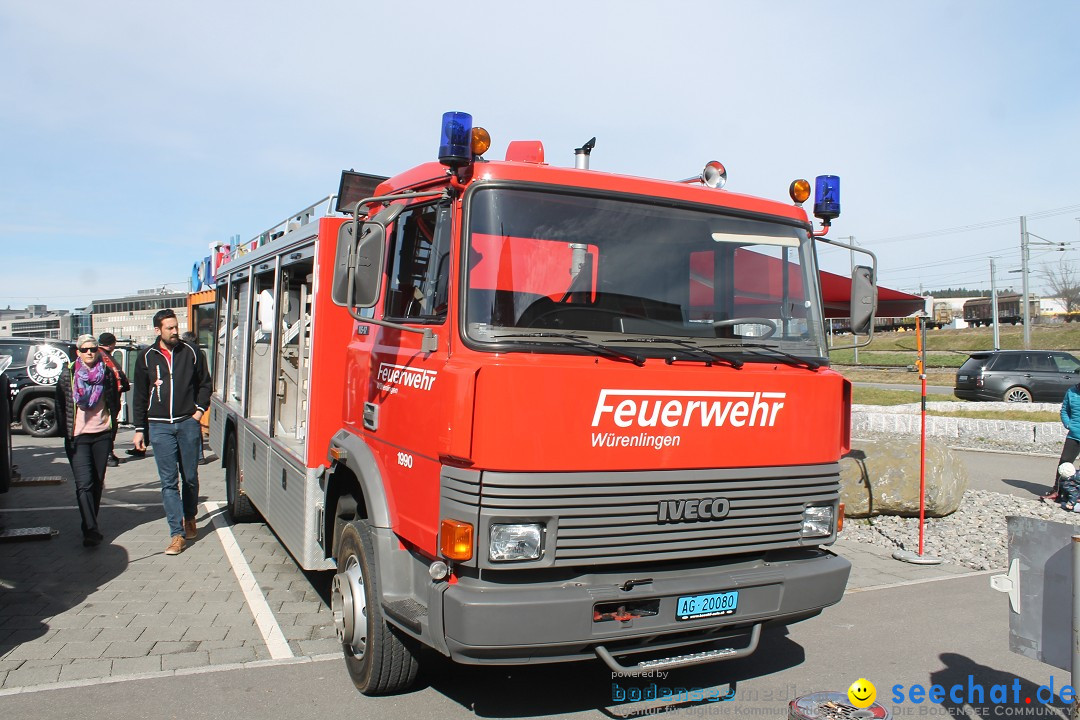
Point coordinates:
[[135, 134]]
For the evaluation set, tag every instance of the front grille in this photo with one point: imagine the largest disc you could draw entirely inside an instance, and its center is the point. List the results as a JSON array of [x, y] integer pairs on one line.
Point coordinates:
[[607, 518]]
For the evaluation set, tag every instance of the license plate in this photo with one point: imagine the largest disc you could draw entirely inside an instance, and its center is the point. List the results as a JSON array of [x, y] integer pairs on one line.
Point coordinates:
[[961, 378], [690, 607]]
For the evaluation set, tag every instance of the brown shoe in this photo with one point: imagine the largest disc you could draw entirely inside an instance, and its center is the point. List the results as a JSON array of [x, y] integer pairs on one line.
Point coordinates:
[[176, 546], [190, 530]]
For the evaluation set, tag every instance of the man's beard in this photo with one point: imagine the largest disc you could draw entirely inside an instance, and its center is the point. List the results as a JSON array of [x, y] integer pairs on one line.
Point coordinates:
[[175, 341]]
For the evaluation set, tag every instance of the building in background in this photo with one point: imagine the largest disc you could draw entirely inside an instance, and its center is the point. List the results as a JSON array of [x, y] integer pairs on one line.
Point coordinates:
[[82, 322], [132, 317], [36, 321]]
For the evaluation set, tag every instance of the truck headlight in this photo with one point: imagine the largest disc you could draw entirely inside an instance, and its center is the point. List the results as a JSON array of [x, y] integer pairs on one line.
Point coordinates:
[[817, 521], [516, 542]]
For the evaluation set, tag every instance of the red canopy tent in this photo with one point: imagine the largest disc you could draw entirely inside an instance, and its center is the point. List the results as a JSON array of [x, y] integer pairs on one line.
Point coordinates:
[[836, 296]]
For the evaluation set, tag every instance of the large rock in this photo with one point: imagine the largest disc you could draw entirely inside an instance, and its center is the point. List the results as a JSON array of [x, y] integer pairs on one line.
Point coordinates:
[[881, 477]]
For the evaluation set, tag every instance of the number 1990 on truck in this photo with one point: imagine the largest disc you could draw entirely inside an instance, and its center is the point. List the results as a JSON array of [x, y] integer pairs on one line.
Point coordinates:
[[527, 413]]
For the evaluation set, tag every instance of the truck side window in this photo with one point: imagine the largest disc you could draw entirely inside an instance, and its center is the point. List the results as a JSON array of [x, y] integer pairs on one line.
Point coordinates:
[[418, 266]]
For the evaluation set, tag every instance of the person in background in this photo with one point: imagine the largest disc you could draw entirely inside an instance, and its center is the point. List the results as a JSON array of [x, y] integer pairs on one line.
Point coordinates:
[[87, 405], [107, 343], [172, 391]]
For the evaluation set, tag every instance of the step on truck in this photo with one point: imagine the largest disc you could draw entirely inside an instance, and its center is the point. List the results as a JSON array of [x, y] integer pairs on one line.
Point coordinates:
[[529, 414]]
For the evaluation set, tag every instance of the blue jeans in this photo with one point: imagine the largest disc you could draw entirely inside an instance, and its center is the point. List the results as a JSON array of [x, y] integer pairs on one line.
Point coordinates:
[[176, 450]]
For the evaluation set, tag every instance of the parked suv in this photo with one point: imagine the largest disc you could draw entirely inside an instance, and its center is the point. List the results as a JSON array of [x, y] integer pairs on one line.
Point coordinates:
[[1017, 376], [36, 364]]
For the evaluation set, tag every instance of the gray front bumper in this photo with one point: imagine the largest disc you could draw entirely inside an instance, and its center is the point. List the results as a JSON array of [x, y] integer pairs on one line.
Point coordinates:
[[507, 623]]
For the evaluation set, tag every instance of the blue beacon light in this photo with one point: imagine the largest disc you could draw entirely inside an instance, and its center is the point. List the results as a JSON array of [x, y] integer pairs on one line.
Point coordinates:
[[827, 197], [455, 146]]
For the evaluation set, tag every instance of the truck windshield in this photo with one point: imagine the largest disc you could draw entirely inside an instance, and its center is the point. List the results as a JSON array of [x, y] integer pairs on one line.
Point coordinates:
[[625, 271]]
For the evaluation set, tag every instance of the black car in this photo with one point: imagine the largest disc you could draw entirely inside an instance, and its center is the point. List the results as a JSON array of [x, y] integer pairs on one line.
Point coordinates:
[[36, 364], [1017, 376]]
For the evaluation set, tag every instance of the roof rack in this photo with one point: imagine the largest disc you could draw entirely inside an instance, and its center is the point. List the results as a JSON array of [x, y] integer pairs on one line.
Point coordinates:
[[293, 222]]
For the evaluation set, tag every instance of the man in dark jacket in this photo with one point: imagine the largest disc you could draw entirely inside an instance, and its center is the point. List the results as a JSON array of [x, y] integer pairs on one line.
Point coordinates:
[[172, 391], [107, 343]]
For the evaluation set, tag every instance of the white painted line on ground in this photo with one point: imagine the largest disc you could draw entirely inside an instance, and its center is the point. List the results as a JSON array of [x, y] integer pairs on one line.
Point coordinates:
[[206, 669], [264, 616], [904, 583]]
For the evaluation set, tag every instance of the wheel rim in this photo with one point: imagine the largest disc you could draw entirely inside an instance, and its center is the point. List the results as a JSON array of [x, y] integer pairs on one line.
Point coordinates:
[[40, 417], [1018, 395], [349, 607]]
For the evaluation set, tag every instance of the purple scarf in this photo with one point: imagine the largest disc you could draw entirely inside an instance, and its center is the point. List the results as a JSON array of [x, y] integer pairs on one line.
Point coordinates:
[[89, 384]]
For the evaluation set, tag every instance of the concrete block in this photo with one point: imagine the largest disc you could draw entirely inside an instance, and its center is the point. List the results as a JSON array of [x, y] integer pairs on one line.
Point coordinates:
[[163, 633], [76, 635], [318, 647], [120, 634]]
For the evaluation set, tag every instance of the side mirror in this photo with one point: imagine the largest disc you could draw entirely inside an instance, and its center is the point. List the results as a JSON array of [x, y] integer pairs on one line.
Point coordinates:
[[863, 300], [358, 263], [343, 260], [370, 258]]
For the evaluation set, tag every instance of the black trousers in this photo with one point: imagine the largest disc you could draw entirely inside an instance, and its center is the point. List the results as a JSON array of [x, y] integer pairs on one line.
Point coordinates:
[[87, 455], [1069, 454]]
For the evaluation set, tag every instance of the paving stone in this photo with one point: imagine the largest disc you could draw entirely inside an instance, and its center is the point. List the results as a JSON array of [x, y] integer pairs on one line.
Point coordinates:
[[81, 650], [319, 647], [163, 633], [33, 651], [110, 621], [150, 621], [194, 620], [186, 607], [86, 669], [168, 648], [128, 649], [205, 633], [32, 676], [76, 635], [232, 655], [121, 634], [22, 622], [296, 632], [184, 660], [8, 665], [313, 619], [136, 665]]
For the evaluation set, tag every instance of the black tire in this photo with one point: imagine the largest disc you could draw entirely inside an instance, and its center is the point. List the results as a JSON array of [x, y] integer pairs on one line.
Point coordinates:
[[1017, 394], [38, 417], [239, 505], [388, 662]]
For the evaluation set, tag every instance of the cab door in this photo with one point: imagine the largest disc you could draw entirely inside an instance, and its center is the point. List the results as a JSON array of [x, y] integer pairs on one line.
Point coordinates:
[[403, 414]]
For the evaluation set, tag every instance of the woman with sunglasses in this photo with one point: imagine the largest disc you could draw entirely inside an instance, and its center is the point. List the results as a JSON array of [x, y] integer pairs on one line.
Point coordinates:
[[87, 405]]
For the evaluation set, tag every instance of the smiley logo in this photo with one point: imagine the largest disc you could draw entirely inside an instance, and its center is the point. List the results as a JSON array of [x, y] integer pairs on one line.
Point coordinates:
[[862, 693]]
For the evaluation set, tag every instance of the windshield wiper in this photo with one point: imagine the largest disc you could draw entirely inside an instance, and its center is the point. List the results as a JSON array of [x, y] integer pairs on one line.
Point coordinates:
[[579, 341], [733, 362], [789, 358]]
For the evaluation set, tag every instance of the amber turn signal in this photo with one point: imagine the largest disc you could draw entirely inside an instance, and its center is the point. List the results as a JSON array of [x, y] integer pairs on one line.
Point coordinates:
[[840, 518], [481, 141], [456, 540], [799, 191]]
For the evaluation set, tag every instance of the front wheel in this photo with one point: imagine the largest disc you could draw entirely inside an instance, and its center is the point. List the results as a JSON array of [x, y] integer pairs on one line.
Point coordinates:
[[380, 659], [1017, 395], [38, 417]]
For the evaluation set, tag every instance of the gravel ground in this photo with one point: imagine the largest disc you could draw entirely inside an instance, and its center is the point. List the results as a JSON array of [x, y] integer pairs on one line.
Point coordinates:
[[975, 536]]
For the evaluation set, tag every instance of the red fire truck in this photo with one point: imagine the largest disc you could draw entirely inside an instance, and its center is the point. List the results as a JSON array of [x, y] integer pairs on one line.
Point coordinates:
[[530, 414]]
